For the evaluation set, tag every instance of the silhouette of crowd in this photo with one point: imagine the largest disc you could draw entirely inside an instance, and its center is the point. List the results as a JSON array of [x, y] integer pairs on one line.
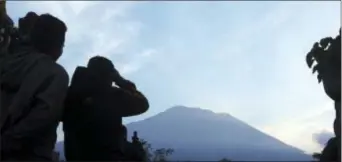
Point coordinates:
[[36, 97]]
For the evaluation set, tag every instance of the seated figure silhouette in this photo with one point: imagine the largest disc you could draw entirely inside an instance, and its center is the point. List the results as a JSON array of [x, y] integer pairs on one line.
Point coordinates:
[[94, 109], [33, 89], [133, 151]]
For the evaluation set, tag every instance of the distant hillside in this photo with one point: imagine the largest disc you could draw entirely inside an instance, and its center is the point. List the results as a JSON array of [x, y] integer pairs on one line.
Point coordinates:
[[198, 134], [202, 135]]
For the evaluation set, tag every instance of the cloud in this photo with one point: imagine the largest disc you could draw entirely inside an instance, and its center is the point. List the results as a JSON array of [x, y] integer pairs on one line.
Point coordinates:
[[94, 28], [298, 131], [136, 62], [322, 137]]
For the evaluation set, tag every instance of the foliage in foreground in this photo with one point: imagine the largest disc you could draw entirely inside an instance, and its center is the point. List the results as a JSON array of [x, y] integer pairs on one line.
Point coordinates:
[[156, 155]]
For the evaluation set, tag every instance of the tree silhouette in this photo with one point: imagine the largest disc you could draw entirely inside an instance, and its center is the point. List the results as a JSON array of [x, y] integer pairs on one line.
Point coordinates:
[[224, 160], [326, 55], [148, 149], [325, 59], [316, 156], [160, 155], [156, 155]]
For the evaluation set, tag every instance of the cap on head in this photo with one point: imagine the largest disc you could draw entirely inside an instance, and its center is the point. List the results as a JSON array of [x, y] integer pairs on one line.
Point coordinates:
[[101, 65]]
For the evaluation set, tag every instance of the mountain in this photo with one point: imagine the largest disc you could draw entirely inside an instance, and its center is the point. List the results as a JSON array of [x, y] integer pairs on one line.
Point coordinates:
[[197, 134], [202, 135]]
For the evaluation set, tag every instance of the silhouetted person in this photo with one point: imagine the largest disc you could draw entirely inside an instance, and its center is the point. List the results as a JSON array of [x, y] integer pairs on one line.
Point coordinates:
[[94, 111], [21, 37], [133, 151], [135, 138], [33, 89]]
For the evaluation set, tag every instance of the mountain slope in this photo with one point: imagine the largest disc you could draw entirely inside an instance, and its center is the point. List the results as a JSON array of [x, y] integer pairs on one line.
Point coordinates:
[[202, 135], [198, 134]]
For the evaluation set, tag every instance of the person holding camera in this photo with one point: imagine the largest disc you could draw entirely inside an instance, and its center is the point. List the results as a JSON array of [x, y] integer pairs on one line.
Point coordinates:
[[94, 109]]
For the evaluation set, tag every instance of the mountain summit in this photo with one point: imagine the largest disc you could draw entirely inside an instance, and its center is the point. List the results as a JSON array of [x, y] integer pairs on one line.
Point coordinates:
[[200, 134]]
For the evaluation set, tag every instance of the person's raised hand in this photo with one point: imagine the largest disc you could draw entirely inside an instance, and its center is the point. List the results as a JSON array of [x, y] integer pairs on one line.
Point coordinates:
[[115, 75]]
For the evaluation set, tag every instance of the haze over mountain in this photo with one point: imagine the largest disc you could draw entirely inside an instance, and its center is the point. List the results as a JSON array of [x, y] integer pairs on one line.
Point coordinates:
[[202, 135]]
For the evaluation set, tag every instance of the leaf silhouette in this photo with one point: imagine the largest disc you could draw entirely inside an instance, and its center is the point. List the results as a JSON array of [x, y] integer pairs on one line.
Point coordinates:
[[319, 77], [325, 42], [309, 59], [316, 68]]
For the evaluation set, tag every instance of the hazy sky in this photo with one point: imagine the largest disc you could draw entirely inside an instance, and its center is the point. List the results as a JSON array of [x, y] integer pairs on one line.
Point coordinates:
[[242, 58]]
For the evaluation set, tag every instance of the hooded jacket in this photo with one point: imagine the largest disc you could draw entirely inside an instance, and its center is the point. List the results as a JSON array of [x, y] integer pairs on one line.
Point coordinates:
[[33, 88]]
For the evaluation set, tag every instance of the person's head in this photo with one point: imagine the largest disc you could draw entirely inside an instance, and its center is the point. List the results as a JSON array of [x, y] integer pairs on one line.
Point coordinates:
[[48, 35], [102, 66], [26, 23]]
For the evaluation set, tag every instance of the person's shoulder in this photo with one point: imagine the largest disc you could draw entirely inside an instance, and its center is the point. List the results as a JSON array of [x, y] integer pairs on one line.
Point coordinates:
[[60, 71], [79, 74], [43, 63], [55, 69]]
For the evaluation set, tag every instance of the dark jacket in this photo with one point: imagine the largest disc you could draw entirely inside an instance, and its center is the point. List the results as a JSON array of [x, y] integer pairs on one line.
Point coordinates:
[[33, 88], [93, 117]]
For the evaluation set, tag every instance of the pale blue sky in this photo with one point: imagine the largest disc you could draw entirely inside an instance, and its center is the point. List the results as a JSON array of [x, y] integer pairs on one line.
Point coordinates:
[[242, 58]]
